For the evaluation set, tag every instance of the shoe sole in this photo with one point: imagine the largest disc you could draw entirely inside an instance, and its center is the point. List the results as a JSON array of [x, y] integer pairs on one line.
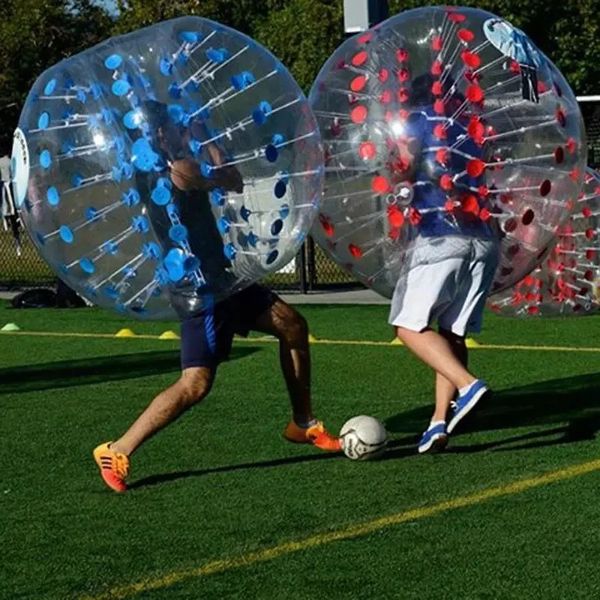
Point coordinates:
[[326, 447], [467, 409], [113, 482], [436, 444]]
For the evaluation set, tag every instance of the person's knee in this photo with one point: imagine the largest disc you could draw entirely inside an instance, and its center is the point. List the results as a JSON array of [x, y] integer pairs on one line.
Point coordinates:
[[405, 334], [195, 384], [291, 326]]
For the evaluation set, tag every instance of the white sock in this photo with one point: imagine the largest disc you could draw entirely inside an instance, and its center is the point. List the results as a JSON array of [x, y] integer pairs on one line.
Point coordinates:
[[434, 423], [306, 424]]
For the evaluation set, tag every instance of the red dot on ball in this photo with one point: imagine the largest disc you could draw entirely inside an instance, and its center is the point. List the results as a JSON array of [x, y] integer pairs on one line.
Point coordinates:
[[470, 59], [386, 97], [475, 167], [359, 114], [527, 217], [326, 225], [545, 187], [395, 217], [367, 150], [358, 83], [360, 58], [355, 250], [475, 93], [402, 55], [466, 35], [559, 155], [380, 185]]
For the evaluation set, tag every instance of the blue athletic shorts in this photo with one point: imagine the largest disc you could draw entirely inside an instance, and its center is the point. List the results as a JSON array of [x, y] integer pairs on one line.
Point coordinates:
[[206, 338]]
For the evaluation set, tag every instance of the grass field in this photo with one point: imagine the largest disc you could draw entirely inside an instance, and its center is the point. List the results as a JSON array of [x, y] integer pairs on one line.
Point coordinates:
[[222, 507]]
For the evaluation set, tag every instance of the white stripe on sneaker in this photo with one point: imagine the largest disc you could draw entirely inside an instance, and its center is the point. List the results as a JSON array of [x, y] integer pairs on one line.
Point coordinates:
[[458, 417]]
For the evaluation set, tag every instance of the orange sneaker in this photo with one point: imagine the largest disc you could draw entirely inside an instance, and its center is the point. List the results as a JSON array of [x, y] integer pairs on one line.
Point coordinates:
[[316, 435], [114, 467]]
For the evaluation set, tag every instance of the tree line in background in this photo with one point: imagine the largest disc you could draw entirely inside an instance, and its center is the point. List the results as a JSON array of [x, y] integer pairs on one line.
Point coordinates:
[[35, 34]]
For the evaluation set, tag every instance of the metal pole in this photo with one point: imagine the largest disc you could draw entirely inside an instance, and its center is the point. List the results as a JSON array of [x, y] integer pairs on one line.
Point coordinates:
[[302, 268]]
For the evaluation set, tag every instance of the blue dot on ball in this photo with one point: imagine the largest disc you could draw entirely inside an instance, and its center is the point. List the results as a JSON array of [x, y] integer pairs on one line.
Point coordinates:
[[87, 265], [120, 87], [276, 227], [230, 251], [217, 197], [166, 66], [44, 120], [160, 195], [66, 234], [152, 250], [280, 189], [45, 159], [140, 224], [271, 153], [223, 225], [53, 196], [113, 61], [132, 119], [190, 37], [272, 257], [178, 233], [50, 87]]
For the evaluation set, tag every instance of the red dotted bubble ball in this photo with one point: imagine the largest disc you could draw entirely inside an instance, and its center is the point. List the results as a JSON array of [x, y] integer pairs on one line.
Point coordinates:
[[568, 280], [444, 121]]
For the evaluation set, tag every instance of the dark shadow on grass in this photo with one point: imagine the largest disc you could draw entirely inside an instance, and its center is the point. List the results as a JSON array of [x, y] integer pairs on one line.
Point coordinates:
[[569, 406], [265, 464], [87, 371]]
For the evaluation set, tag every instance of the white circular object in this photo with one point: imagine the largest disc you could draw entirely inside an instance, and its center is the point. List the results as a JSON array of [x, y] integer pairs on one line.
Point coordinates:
[[363, 438]]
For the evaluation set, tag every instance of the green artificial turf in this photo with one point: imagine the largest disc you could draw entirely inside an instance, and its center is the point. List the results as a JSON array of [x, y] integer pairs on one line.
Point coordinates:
[[221, 482]]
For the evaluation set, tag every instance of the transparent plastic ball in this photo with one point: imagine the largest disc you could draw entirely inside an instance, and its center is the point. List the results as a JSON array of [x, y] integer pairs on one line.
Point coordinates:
[[568, 280], [167, 168], [444, 121]]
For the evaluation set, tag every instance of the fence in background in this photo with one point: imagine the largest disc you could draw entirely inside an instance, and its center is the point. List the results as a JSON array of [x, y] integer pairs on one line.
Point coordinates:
[[310, 270]]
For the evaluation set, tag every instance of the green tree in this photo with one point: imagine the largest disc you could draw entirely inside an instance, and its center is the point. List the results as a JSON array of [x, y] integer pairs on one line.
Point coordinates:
[[35, 34], [302, 34], [239, 14]]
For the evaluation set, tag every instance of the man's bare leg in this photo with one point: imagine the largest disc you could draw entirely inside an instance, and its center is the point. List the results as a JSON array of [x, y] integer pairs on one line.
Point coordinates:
[[193, 385], [291, 329], [445, 391], [435, 350]]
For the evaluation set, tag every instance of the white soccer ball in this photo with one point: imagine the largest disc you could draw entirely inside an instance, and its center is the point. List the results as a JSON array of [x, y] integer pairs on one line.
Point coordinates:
[[363, 438]]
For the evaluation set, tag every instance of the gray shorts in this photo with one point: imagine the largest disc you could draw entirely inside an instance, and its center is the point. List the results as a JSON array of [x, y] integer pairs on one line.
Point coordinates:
[[446, 279]]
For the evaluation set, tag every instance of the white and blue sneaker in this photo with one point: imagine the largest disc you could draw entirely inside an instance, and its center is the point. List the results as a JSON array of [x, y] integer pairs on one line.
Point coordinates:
[[466, 402], [434, 439]]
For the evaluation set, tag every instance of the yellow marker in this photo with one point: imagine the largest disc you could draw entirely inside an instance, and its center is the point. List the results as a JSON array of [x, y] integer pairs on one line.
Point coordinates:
[[396, 342], [168, 335], [11, 327], [124, 333], [312, 338], [471, 343]]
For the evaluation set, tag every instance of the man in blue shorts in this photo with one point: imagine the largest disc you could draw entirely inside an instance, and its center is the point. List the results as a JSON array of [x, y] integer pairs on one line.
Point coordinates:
[[207, 331], [451, 260]]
